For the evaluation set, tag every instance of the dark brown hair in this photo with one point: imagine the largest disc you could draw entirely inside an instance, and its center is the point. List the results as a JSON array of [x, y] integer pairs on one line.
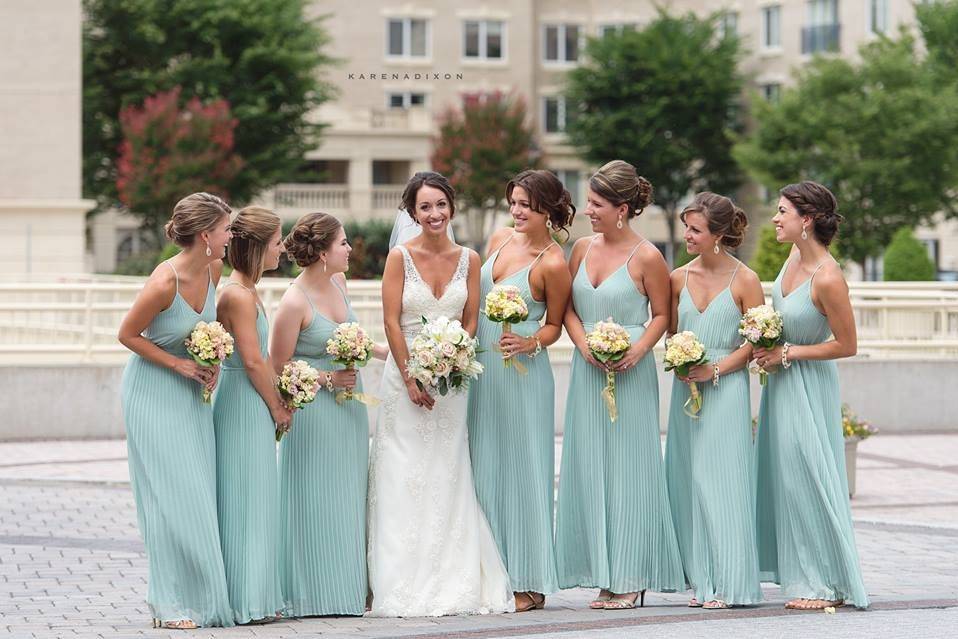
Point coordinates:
[[194, 214], [252, 230], [311, 235], [619, 183], [811, 199], [722, 216], [427, 178], [546, 196]]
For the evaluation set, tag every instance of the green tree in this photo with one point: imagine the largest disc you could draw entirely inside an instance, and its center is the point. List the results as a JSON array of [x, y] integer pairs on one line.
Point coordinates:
[[938, 24], [769, 256], [480, 148], [906, 259], [879, 132], [264, 56], [664, 98]]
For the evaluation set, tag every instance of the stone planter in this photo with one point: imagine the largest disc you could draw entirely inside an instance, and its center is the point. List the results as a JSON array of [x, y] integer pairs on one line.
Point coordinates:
[[851, 457]]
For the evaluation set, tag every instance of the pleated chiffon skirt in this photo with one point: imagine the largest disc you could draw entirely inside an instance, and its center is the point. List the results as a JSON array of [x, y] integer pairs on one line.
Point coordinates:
[[512, 447], [323, 474], [613, 525], [248, 497], [172, 458], [709, 467]]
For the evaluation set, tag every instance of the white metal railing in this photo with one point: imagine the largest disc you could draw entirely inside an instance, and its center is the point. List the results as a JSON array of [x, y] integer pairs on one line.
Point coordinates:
[[311, 196], [75, 320]]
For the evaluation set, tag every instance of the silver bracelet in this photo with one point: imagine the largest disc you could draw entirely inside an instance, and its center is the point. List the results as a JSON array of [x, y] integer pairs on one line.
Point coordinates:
[[715, 374], [785, 362]]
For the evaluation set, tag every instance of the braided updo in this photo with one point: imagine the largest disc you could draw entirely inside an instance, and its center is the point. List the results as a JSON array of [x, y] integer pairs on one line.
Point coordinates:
[[311, 235], [723, 217], [619, 183], [813, 200]]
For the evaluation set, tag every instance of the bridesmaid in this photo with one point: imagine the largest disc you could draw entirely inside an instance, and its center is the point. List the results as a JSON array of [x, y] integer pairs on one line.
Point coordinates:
[[708, 459], [805, 538], [511, 416], [323, 459], [613, 528], [246, 410], [169, 429]]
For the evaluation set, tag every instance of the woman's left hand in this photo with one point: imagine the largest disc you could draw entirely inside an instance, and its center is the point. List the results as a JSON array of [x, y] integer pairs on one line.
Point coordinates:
[[700, 373], [512, 345], [768, 359], [211, 385], [631, 358]]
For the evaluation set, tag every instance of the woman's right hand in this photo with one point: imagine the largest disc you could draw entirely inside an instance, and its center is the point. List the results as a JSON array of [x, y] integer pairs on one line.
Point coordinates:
[[282, 416], [419, 397], [588, 357], [191, 370], [344, 379]]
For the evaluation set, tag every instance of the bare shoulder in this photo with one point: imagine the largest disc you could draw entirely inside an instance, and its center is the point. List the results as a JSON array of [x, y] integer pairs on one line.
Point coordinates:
[[580, 246], [650, 256], [161, 282], [831, 278], [293, 299], [677, 277], [341, 280], [499, 236], [474, 259], [747, 277]]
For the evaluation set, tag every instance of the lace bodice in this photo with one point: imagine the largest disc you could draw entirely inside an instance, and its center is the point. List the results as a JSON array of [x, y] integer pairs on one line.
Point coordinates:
[[418, 300]]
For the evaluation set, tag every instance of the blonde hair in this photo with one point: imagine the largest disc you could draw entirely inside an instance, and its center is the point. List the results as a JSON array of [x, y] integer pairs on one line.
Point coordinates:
[[252, 230], [194, 214], [619, 183], [311, 235]]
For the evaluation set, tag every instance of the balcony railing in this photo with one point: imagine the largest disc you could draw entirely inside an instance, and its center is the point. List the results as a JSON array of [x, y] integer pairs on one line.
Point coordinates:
[[821, 38], [311, 196], [387, 197]]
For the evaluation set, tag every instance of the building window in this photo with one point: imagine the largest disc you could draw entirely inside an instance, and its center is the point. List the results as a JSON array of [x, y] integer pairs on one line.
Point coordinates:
[[404, 100], [772, 27], [728, 24], [609, 29], [483, 39], [554, 114], [570, 180], [407, 38], [772, 91], [823, 31], [561, 43], [877, 16]]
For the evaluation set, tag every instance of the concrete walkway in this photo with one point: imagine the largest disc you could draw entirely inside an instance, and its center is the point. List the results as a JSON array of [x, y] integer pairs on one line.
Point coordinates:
[[72, 561]]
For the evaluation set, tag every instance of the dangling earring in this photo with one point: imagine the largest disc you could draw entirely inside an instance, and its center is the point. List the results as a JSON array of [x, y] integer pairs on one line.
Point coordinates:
[[715, 249], [804, 233], [324, 265], [209, 251], [619, 224]]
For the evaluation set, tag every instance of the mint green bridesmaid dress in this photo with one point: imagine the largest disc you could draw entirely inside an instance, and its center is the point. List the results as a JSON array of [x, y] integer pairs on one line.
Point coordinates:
[[172, 456], [805, 533], [512, 444], [323, 468], [708, 464], [613, 524], [247, 488]]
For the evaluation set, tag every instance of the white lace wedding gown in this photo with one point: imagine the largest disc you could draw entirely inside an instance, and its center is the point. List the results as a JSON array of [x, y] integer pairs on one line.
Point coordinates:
[[430, 549]]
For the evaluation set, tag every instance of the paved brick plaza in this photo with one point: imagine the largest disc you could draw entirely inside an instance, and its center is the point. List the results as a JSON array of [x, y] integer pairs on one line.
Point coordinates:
[[72, 562]]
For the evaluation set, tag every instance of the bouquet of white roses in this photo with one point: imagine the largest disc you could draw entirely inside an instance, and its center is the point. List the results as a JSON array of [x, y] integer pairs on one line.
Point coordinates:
[[608, 342], [209, 344], [504, 303], [352, 347], [443, 356], [298, 385], [761, 326], [682, 352]]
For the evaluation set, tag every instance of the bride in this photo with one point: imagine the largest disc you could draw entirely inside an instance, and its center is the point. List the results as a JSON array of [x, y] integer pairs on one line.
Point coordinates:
[[430, 550]]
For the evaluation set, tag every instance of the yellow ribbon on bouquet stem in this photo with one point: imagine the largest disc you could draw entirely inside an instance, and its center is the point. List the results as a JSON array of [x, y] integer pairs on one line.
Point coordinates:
[[509, 362], [349, 394], [693, 405], [608, 395]]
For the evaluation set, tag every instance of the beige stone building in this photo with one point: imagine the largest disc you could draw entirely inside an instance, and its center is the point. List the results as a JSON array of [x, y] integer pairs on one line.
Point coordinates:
[[42, 216]]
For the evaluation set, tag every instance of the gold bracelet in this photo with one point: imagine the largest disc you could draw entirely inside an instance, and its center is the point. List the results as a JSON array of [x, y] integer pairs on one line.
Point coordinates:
[[538, 346]]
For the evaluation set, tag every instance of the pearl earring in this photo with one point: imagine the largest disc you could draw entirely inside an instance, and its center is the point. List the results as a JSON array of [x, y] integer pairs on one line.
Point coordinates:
[[804, 233], [619, 224]]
